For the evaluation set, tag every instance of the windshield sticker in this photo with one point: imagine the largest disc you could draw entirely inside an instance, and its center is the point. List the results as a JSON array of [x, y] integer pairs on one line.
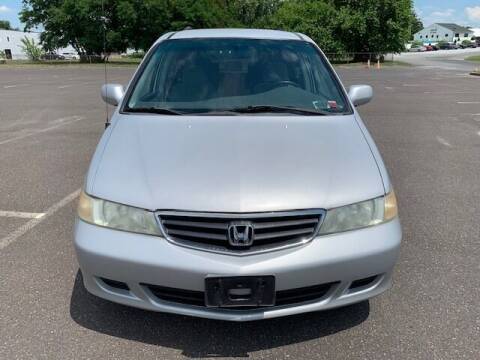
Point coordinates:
[[331, 104]]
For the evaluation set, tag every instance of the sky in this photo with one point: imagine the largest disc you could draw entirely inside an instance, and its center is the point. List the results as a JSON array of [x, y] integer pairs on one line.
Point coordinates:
[[463, 12]]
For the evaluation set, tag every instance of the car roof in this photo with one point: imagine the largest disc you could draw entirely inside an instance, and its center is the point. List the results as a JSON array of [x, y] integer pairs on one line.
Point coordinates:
[[236, 33]]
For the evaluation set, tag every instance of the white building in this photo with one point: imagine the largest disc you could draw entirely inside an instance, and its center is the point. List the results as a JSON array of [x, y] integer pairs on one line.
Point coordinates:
[[451, 33], [476, 32], [11, 43]]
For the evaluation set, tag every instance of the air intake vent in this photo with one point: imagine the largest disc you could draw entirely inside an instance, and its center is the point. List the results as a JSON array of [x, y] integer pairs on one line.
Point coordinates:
[[283, 297]]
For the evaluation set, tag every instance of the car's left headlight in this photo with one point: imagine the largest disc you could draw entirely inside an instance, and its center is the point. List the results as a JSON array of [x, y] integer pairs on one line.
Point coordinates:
[[360, 215], [117, 216]]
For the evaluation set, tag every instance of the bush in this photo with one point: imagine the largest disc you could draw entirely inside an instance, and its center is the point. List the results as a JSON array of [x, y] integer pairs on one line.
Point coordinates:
[[466, 43], [136, 55], [32, 50]]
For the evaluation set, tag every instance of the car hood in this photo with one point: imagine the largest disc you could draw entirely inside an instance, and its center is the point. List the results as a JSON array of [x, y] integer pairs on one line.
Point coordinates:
[[234, 163]]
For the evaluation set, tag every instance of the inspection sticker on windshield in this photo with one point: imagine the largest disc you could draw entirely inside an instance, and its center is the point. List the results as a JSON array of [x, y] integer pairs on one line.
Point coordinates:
[[331, 104]]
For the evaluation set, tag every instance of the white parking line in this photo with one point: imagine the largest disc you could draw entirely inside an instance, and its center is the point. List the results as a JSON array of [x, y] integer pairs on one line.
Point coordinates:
[[62, 121], [15, 86], [71, 85], [443, 141], [468, 102], [22, 230], [22, 215]]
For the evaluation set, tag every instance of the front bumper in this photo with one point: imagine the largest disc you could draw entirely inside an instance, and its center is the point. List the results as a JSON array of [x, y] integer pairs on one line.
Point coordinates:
[[140, 259]]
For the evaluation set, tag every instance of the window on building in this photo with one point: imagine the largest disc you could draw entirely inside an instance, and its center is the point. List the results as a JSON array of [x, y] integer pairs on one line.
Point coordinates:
[[426, 36], [8, 38], [446, 35], [421, 37], [465, 35], [457, 35], [437, 36]]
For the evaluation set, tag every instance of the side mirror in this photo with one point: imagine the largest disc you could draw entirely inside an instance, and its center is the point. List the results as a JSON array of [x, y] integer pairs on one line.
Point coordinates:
[[112, 93], [360, 94]]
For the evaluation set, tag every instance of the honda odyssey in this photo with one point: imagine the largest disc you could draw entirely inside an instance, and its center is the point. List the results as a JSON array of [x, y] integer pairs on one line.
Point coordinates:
[[236, 181]]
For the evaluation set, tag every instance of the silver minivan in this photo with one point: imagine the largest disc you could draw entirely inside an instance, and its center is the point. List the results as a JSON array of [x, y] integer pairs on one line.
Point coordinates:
[[236, 181]]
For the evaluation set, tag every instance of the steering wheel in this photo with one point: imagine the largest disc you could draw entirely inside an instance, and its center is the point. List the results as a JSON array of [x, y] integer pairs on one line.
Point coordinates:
[[269, 85]]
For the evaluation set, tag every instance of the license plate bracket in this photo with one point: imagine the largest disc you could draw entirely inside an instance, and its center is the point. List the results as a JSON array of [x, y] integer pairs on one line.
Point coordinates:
[[240, 291]]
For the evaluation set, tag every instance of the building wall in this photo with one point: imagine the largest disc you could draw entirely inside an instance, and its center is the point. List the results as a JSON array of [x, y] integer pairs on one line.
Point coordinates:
[[11, 40], [435, 33]]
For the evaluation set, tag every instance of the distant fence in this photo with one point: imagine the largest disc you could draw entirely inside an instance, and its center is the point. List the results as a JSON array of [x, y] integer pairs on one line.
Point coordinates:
[[359, 57]]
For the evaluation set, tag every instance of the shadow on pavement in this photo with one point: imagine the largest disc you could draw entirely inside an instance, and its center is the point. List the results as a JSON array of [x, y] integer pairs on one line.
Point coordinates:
[[197, 337]]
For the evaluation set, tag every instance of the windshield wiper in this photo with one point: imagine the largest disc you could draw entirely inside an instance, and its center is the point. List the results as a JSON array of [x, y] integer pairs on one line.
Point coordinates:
[[255, 109], [153, 110]]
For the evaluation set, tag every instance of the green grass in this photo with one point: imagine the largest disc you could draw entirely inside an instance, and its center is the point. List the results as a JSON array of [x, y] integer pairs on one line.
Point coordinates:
[[475, 58]]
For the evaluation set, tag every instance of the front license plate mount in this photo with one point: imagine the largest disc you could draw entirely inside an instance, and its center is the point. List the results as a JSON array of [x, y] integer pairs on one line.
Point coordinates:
[[240, 291]]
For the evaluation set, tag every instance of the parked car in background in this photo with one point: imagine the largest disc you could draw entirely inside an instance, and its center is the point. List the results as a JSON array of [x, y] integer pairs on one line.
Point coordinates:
[[468, 45], [417, 49], [447, 46], [52, 56], [431, 48], [70, 56], [237, 181]]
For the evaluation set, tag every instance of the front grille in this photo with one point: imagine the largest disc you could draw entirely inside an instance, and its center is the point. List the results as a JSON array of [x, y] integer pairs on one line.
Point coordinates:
[[283, 297], [210, 230]]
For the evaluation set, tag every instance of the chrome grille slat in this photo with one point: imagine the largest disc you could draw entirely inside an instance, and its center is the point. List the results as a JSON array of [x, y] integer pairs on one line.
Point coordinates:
[[197, 234], [196, 224], [209, 231], [284, 233], [284, 223]]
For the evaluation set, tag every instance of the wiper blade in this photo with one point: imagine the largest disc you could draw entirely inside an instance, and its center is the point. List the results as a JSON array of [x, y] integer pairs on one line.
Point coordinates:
[[153, 110], [277, 109]]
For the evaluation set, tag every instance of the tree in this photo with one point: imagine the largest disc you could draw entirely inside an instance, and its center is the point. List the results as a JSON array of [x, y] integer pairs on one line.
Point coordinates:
[[32, 50], [417, 24], [337, 25], [127, 23], [252, 13], [375, 26], [79, 23], [317, 19], [5, 24]]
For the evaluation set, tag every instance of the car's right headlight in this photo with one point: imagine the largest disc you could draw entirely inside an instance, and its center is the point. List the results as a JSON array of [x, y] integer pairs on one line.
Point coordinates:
[[360, 215], [117, 216]]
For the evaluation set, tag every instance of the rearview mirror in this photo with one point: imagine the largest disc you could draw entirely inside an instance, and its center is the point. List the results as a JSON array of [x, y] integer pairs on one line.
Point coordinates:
[[360, 94], [112, 93]]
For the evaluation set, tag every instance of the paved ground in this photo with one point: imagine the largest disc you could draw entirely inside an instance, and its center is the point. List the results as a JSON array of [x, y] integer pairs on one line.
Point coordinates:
[[427, 125], [442, 59]]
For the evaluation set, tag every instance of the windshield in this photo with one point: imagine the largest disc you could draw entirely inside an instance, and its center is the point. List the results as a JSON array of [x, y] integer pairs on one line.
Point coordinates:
[[226, 75]]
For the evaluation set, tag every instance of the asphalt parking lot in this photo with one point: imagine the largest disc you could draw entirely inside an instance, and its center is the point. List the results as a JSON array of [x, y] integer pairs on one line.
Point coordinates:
[[426, 123]]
